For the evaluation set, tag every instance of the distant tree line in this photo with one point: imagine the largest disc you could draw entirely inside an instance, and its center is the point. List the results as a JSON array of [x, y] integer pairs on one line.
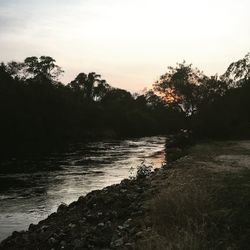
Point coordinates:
[[35, 106]]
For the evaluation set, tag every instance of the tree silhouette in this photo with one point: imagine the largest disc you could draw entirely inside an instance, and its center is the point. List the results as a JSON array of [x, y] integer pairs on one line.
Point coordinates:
[[180, 87], [90, 86], [211, 89], [34, 106], [238, 71], [34, 67]]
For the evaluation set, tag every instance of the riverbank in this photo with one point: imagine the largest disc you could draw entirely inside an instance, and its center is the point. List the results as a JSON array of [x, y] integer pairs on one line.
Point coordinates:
[[200, 201]]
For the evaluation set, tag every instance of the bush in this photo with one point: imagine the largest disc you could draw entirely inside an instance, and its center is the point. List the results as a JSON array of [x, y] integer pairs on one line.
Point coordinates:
[[143, 170]]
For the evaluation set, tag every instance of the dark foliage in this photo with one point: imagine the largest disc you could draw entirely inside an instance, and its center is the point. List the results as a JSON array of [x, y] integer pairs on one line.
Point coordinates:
[[214, 107], [36, 108]]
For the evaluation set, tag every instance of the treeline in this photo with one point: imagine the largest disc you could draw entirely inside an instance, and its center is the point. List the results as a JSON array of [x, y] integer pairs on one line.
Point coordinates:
[[35, 106]]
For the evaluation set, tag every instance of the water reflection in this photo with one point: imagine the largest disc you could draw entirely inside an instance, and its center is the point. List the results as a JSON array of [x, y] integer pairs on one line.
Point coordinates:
[[33, 187]]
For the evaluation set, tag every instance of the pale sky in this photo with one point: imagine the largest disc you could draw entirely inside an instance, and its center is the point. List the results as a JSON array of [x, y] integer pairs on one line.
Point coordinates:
[[129, 42]]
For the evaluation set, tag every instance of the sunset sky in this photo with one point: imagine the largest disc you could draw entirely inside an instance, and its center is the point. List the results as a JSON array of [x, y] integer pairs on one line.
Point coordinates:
[[129, 42]]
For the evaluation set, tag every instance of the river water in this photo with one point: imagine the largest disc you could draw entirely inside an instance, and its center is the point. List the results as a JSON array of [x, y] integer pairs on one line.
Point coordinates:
[[32, 187]]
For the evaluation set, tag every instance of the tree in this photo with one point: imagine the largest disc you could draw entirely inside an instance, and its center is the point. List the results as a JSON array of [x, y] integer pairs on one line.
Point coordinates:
[[153, 101], [14, 69], [101, 90], [34, 68], [211, 89], [238, 72], [79, 83], [91, 86], [118, 96], [180, 87]]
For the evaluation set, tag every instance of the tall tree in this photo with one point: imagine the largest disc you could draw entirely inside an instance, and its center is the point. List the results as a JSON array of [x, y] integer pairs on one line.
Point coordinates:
[[34, 67], [180, 86], [90, 85]]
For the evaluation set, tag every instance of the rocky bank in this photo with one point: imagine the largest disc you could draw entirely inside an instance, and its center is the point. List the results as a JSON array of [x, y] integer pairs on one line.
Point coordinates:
[[111, 218]]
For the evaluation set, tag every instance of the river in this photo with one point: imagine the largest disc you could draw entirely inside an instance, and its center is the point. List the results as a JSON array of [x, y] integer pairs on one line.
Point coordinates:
[[32, 187]]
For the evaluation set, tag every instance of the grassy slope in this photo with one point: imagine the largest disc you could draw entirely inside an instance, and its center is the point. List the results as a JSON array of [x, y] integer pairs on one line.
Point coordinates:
[[203, 202]]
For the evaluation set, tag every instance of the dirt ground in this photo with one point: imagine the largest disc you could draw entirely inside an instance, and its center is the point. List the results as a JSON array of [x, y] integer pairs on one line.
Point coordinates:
[[203, 200]]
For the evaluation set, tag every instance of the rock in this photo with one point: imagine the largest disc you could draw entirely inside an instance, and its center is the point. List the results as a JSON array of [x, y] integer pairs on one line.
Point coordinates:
[[137, 213], [52, 241], [53, 215], [114, 214], [91, 218], [44, 228], [55, 236], [63, 243], [117, 243], [78, 243], [61, 235], [139, 234], [108, 223], [120, 227], [126, 223], [81, 199], [25, 237], [71, 225], [108, 200], [130, 246], [32, 227], [62, 208], [82, 221], [147, 221], [132, 230], [15, 234]]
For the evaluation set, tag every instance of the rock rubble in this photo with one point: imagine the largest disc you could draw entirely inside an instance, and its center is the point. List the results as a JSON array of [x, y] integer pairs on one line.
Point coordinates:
[[103, 219]]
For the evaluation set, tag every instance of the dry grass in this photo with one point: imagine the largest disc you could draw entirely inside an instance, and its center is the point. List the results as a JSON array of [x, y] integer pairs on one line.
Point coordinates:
[[198, 208], [179, 215]]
